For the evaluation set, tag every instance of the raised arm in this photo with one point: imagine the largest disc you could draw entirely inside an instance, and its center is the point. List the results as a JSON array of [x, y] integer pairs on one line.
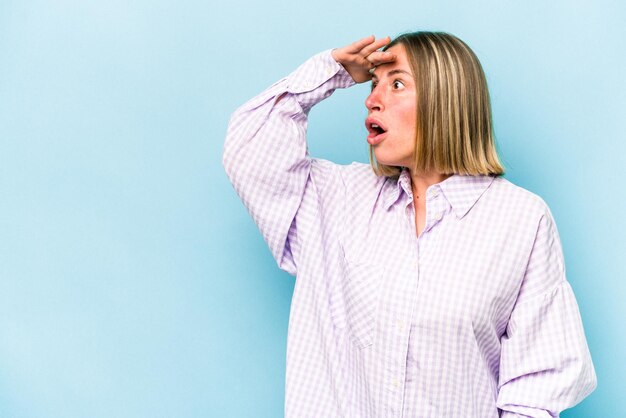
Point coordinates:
[[265, 153]]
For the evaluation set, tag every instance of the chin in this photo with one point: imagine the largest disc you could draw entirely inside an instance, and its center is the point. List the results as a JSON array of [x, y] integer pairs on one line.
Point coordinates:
[[385, 160]]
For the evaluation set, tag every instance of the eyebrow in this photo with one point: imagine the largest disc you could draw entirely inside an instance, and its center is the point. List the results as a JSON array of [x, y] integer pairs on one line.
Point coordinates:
[[394, 72]]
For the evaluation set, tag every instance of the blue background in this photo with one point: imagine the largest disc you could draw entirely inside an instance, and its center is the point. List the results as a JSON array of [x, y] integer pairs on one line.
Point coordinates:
[[133, 282]]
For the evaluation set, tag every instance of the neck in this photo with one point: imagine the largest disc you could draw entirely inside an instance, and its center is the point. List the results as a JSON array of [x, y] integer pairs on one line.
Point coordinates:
[[420, 182]]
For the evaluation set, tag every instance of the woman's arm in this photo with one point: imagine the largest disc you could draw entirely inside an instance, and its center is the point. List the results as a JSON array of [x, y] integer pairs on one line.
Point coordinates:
[[545, 365], [265, 153]]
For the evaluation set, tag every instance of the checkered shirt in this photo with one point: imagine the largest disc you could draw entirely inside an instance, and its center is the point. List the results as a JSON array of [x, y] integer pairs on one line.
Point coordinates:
[[474, 318]]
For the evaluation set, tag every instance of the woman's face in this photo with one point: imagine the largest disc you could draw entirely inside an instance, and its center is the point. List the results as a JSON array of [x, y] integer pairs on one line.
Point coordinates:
[[392, 111]]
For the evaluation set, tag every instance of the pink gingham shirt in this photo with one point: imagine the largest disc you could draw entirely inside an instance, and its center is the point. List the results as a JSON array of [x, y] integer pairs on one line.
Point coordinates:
[[473, 319]]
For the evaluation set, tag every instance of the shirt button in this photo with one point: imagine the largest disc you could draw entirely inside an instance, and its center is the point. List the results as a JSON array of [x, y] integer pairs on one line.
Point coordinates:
[[395, 382], [400, 325], [439, 216]]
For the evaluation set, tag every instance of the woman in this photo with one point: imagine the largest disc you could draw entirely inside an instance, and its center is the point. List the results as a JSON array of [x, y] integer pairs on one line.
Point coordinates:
[[427, 284]]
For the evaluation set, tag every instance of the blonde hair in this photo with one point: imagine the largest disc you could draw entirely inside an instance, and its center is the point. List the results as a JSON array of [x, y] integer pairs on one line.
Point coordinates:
[[454, 127]]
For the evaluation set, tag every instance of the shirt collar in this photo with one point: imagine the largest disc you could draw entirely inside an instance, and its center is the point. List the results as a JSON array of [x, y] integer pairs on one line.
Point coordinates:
[[461, 191], [397, 186]]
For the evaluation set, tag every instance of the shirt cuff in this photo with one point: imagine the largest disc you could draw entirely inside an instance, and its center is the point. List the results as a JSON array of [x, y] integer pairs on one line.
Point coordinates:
[[316, 79], [316, 71]]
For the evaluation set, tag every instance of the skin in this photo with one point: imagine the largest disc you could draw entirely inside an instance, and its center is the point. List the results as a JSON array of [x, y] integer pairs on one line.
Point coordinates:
[[392, 102]]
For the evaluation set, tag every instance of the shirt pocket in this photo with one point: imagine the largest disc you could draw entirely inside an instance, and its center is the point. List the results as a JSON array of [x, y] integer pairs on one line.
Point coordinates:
[[361, 293]]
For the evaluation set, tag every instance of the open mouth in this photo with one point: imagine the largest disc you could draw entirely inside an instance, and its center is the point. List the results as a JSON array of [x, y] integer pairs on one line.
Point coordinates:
[[374, 127], [376, 130]]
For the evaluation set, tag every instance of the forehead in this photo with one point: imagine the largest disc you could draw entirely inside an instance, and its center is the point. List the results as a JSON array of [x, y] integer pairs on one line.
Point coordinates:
[[401, 62]]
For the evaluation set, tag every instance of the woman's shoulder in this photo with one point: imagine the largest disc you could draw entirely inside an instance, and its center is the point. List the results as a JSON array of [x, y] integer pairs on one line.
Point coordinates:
[[518, 198], [354, 175], [355, 185]]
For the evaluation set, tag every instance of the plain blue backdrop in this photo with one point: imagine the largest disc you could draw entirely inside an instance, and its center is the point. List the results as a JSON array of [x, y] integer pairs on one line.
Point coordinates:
[[133, 282]]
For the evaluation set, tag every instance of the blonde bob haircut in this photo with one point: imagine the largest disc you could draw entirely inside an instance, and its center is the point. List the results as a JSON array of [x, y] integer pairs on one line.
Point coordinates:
[[454, 127]]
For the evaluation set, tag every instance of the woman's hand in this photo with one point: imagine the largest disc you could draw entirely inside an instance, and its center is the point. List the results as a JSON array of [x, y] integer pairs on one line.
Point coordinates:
[[361, 56]]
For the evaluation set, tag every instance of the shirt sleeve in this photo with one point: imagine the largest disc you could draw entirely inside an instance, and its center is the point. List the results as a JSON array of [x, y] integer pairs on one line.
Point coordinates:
[[545, 364], [265, 153]]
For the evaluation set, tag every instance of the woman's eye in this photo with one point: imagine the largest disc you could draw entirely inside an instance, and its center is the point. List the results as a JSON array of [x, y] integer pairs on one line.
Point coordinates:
[[398, 84]]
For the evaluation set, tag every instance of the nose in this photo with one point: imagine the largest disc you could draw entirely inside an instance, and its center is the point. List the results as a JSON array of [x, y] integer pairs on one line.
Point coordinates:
[[374, 101]]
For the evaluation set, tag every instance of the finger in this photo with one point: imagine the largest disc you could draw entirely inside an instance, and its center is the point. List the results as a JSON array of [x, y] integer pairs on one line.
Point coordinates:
[[358, 46], [368, 49], [380, 57]]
